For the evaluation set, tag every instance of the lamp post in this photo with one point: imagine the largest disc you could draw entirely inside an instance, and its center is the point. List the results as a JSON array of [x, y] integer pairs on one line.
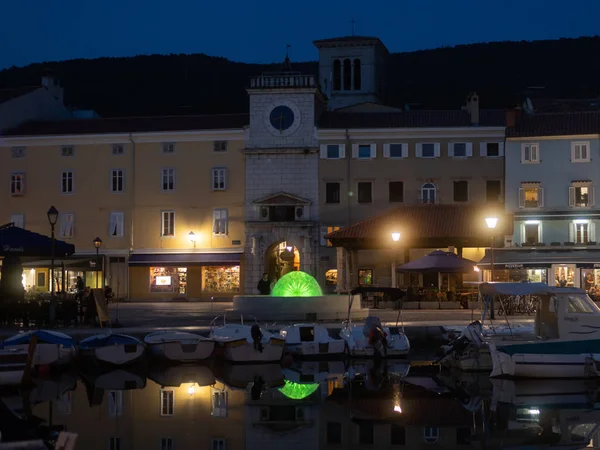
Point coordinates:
[[97, 244], [192, 237], [52, 215], [395, 239], [491, 223]]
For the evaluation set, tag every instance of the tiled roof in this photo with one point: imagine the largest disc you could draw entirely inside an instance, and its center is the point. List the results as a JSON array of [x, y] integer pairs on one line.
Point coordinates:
[[556, 124], [550, 105], [132, 124], [10, 93], [422, 222], [411, 119]]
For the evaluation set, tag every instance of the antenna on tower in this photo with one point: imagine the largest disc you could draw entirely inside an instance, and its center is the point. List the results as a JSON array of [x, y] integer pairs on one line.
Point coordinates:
[[287, 64], [353, 23]]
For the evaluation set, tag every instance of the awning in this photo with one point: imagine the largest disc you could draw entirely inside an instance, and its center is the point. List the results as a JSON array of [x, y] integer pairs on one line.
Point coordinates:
[[185, 259], [85, 263], [540, 258]]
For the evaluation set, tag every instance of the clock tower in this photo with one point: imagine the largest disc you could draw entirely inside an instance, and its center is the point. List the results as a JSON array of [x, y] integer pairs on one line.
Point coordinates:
[[282, 159]]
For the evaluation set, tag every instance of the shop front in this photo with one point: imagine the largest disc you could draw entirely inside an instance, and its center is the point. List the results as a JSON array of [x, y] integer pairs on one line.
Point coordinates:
[[577, 267], [194, 276], [37, 273]]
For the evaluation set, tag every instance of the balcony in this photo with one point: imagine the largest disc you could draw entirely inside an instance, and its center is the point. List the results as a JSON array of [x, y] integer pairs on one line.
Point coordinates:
[[283, 80]]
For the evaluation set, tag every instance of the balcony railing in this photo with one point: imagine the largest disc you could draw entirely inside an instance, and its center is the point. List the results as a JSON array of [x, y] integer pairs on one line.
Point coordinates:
[[283, 80]]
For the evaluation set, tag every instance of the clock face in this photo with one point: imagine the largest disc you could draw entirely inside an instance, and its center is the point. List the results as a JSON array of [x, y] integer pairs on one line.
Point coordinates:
[[281, 117]]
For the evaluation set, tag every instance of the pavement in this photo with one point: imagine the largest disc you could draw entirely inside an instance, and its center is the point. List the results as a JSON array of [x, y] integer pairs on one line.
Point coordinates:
[[139, 319]]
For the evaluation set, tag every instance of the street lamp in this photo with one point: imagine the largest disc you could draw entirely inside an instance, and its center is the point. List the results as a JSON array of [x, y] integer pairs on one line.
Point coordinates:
[[192, 238], [52, 219], [395, 239], [97, 244], [491, 223]]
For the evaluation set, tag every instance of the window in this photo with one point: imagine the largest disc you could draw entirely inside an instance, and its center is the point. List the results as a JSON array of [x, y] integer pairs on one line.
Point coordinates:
[[17, 152], [219, 146], [114, 443], [67, 225], [428, 150], [17, 184], [41, 279], [395, 150], [219, 444], [337, 75], [115, 403], [168, 147], [116, 224], [532, 232], [530, 154], [333, 151], [332, 192], [579, 305], [325, 230], [397, 435], [458, 150], [67, 151], [18, 220], [493, 191], [531, 196], [167, 402], [461, 191], [581, 195], [220, 222], [581, 233], [66, 183], [168, 179], [491, 149], [219, 403], [117, 180], [365, 433], [431, 434], [580, 152], [168, 224], [334, 433], [166, 444], [219, 177], [117, 149], [428, 193], [365, 192], [357, 75], [396, 191], [347, 75], [364, 151]]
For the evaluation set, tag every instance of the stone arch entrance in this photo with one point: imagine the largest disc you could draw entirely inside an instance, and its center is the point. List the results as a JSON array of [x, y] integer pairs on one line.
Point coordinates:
[[281, 258]]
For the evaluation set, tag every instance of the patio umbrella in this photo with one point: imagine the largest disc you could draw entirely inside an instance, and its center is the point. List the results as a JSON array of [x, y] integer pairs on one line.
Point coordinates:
[[15, 241], [439, 262]]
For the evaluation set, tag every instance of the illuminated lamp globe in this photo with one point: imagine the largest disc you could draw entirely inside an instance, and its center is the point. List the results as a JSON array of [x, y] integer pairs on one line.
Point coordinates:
[[296, 284], [297, 391]]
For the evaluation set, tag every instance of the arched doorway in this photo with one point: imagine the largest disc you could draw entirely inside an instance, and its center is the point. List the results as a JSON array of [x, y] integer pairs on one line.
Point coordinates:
[[281, 258]]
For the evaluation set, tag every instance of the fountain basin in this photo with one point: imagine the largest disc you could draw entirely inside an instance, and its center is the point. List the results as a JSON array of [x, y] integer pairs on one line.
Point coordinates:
[[323, 307]]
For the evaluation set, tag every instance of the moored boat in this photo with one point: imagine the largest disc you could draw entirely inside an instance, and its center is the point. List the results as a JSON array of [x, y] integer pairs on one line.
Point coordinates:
[[373, 339], [248, 344], [52, 348], [311, 340], [116, 349], [179, 346]]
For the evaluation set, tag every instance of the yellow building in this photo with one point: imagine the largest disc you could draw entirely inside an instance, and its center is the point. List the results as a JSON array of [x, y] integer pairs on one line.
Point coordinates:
[[165, 196]]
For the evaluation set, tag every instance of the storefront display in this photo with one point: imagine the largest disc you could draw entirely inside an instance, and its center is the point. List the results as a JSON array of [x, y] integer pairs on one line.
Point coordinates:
[[365, 277], [221, 279], [515, 273], [564, 275], [168, 279], [331, 277]]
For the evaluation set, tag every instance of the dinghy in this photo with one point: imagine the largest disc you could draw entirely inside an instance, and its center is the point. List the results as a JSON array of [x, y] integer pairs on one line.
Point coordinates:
[[310, 340], [52, 347], [373, 339], [179, 346], [116, 349]]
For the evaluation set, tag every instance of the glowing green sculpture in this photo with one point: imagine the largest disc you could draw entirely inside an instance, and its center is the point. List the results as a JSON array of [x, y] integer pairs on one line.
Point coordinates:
[[296, 284], [296, 391]]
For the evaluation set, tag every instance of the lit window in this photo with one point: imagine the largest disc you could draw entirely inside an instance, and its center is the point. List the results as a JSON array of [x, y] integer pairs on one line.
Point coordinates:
[[531, 196], [168, 224], [116, 224], [220, 222], [67, 225], [167, 402]]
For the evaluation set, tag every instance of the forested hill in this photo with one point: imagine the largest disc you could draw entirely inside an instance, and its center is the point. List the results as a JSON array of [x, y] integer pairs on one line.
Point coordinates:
[[430, 79]]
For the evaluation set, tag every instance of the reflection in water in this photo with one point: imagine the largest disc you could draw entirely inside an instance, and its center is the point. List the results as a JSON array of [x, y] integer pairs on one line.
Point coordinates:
[[314, 405]]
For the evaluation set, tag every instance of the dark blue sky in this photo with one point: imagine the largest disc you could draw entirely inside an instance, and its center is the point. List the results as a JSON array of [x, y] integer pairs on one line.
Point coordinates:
[[257, 30]]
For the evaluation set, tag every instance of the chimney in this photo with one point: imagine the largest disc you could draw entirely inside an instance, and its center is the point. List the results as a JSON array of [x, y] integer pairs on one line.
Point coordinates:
[[512, 115], [51, 85], [473, 108]]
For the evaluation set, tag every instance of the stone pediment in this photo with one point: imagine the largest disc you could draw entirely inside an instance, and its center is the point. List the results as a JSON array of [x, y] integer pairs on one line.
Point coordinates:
[[281, 199]]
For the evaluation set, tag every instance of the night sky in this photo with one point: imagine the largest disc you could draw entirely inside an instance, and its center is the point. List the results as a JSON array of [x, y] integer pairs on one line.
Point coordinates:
[[258, 30]]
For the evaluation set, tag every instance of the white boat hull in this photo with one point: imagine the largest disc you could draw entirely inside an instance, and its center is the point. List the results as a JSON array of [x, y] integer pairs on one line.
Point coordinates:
[[358, 345], [244, 352], [333, 347], [182, 352], [118, 355], [472, 360], [47, 354]]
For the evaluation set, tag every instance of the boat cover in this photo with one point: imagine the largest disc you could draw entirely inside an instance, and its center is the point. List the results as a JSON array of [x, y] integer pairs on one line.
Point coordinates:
[[102, 340], [45, 336]]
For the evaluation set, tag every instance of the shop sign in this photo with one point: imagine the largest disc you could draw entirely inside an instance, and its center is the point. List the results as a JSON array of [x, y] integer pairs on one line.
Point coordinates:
[[588, 266], [236, 242], [92, 264], [526, 266], [513, 266], [9, 249]]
